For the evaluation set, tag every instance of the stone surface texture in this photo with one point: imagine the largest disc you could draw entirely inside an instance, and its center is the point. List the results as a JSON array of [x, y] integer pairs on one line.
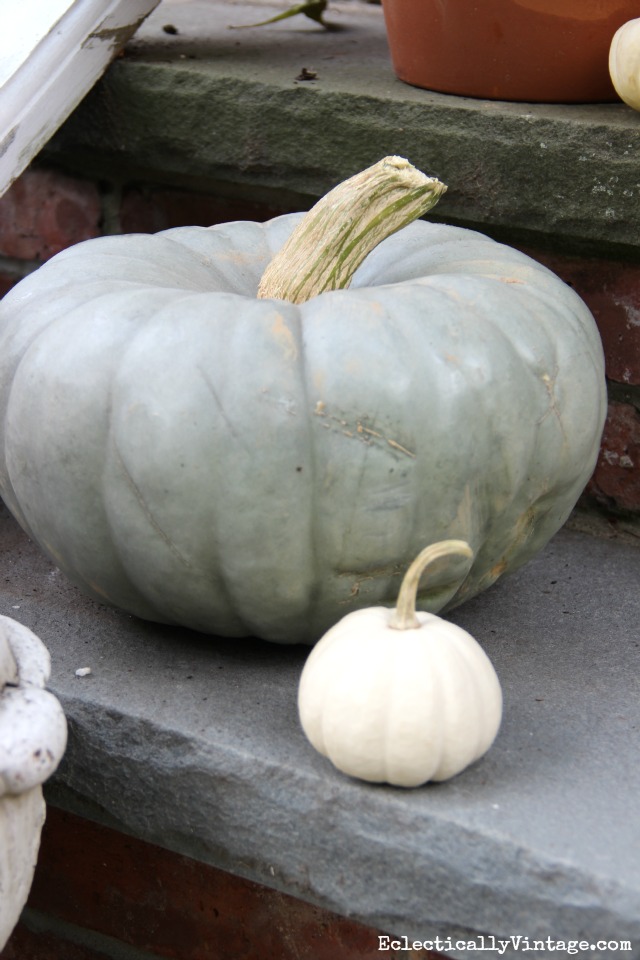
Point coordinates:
[[194, 744]]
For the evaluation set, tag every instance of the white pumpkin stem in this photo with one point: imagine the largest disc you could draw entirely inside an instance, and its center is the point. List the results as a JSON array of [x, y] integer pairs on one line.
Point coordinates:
[[404, 616], [335, 236]]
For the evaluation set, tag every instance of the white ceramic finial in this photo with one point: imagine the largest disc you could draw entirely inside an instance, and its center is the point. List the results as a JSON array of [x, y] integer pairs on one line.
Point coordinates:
[[33, 737]]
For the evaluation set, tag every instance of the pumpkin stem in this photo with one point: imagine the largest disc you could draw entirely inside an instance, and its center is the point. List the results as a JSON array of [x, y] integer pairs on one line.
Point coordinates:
[[335, 236], [404, 615]]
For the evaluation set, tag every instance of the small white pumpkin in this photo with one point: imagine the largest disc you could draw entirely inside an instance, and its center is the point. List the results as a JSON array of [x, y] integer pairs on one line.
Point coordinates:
[[400, 696], [624, 63]]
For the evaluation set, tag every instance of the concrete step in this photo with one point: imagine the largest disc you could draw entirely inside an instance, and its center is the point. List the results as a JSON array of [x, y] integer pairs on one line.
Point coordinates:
[[193, 743]]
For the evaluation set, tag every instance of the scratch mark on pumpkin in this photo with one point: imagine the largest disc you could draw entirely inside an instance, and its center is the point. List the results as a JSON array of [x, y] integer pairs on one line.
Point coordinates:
[[137, 492], [366, 435], [400, 448], [369, 432], [497, 570], [550, 384], [283, 403], [395, 570], [355, 502], [100, 591], [523, 530], [223, 413], [355, 590]]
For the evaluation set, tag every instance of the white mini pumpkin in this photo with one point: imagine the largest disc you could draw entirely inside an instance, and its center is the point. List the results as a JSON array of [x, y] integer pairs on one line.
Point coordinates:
[[400, 696], [624, 63]]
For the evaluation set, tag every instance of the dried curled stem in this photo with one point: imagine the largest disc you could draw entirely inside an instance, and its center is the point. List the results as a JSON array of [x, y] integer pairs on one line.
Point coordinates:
[[335, 236], [404, 615]]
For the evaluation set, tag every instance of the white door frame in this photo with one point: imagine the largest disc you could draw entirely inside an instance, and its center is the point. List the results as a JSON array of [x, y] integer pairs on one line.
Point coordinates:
[[51, 54]]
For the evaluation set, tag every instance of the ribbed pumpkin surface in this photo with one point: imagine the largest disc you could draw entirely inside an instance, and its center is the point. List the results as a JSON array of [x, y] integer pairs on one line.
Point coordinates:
[[240, 466]]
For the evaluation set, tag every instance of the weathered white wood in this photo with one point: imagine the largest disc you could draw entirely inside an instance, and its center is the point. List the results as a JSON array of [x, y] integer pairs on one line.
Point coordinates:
[[24, 25], [51, 54]]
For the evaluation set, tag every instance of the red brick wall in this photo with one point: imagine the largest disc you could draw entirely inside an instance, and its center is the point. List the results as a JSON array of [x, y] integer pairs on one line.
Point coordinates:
[[97, 891], [46, 210]]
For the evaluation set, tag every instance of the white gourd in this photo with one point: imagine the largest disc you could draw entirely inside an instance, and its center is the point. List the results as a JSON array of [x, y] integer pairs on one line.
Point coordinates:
[[624, 63], [400, 696]]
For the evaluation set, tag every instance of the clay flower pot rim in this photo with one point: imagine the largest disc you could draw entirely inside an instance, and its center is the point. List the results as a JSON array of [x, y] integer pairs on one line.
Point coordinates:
[[522, 50]]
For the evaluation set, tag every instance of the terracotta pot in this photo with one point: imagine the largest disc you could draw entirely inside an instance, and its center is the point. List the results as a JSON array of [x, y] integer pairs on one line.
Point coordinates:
[[532, 50]]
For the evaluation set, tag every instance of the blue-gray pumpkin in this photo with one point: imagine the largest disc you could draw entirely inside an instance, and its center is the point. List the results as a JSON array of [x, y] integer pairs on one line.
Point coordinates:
[[242, 466]]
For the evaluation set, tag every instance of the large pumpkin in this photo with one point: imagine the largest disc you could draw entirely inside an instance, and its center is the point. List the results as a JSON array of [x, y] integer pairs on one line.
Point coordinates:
[[244, 466]]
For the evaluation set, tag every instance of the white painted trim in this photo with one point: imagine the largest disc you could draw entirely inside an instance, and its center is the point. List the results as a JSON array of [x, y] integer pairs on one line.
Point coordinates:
[[51, 54]]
